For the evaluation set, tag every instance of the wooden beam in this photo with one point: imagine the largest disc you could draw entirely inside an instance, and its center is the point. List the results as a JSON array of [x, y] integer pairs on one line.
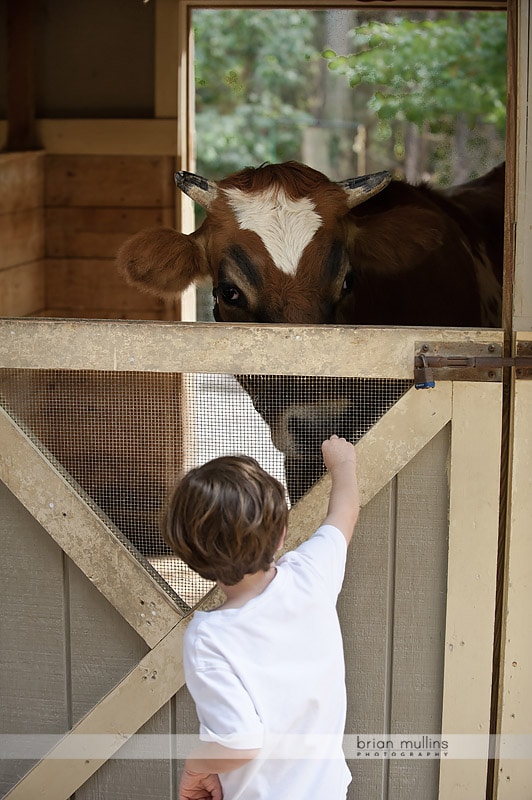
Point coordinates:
[[22, 133], [515, 720], [226, 348], [510, 174], [474, 474], [83, 536], [464, 5], [522, 305], [166, 58], [107, 137]]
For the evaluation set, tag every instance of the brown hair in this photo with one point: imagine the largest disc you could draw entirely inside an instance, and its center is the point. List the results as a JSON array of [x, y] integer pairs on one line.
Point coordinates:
[[225, 518]]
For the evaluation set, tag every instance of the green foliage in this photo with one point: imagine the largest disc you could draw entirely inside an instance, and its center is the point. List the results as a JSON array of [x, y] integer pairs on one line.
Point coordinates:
[[252, 73], [431, 71], [428, 89]]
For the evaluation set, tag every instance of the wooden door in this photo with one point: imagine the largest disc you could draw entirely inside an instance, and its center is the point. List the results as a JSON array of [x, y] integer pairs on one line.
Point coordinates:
[[417, 608]]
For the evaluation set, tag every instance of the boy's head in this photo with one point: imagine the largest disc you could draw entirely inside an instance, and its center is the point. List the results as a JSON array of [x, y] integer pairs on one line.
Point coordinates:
[[225, 519]]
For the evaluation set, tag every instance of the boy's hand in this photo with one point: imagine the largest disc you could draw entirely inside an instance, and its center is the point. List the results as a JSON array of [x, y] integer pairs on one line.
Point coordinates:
[[339, 457], [200, 786], [336, 451]]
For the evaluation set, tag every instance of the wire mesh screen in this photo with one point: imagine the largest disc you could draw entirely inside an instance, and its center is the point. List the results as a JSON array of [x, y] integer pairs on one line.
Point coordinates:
[[124, 438]]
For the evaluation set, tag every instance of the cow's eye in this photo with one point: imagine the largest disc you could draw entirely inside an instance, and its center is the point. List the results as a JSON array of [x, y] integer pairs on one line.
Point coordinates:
[[229, 294], [348, 283]]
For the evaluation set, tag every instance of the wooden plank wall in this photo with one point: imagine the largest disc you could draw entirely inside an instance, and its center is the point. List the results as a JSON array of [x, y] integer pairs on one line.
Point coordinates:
[[62, 219], [63, 644], [22, 237], [92, 204], [392, 610]]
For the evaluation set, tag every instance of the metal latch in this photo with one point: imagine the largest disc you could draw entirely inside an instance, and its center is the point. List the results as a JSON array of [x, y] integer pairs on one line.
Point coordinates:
[[423, 373], [468, 362]]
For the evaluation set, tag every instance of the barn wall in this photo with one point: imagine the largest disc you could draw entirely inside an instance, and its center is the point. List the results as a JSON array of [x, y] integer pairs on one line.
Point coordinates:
[[95, 59], [62, 219], [392, 609], [63, 648], [92, 59], [63, 645], [92, 204], [22, 235]]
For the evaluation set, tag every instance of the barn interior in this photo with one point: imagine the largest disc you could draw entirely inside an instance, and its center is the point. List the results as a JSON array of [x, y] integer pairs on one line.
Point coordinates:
[[87, 157]]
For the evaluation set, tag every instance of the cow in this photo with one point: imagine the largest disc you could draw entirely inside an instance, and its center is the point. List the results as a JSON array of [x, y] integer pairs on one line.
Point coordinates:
[[284, 244]]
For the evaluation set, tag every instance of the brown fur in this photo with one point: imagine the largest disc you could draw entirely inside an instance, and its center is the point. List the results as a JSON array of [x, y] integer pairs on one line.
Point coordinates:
[[161, 261], [411, 253]]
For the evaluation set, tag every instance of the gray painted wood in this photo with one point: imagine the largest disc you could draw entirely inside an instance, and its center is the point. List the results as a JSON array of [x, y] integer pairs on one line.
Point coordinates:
[[392, 610], [137, 778], [103, 648], [363, 610], [33, 699], [63, 647], [419, 614]]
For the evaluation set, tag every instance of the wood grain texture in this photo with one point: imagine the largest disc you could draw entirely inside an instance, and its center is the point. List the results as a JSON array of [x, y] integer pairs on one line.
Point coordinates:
[[85, 232], [33, 669], [21, 181], [471, 581], [22, 237], [22, 289], [513, 774], [109, 181]]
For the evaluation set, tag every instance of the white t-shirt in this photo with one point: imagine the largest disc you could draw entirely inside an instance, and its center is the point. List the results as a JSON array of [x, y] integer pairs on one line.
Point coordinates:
[[271, 675]]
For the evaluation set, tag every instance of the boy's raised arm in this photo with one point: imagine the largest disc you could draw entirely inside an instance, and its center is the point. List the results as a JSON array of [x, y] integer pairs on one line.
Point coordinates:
[[344, 503]]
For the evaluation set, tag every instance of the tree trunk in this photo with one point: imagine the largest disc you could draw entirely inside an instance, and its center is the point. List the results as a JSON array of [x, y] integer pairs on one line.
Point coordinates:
[[459, 156], [415, 153]]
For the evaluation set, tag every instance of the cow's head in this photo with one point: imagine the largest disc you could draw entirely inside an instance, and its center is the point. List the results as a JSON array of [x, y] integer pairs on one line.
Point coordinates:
[[275, 243], [283, 243]]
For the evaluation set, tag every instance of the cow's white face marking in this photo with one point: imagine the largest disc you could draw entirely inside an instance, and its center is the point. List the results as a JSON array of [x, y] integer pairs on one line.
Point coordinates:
[[285, 226]]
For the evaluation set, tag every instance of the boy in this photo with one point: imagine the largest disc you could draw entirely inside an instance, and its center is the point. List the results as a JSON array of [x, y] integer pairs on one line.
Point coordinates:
[[266, 668]]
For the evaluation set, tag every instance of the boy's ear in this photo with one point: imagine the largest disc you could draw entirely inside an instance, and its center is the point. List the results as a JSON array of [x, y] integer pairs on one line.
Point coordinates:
[[162, 261], [281, 540]]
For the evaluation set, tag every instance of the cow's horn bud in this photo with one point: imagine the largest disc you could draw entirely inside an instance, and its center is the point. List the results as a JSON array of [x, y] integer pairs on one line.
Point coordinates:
[[198, 188], [360, 189]]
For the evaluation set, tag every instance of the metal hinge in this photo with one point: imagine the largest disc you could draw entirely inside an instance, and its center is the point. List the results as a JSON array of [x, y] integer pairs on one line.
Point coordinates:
[[467, 362]]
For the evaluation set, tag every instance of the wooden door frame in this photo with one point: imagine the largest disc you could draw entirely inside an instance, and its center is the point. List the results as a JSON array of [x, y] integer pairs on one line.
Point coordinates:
[[513, 766]]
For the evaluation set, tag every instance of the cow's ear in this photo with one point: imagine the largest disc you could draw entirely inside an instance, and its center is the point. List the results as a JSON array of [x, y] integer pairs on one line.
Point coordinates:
[[396, 240], [162, 261]]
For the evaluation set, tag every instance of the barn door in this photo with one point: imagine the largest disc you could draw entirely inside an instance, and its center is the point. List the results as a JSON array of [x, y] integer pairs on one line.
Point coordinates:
[[417, 608]]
